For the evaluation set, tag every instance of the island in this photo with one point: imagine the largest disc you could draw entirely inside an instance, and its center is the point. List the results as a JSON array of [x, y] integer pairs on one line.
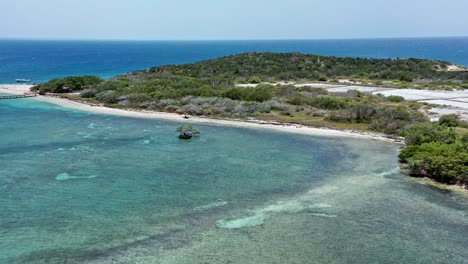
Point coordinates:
[[300, 89]]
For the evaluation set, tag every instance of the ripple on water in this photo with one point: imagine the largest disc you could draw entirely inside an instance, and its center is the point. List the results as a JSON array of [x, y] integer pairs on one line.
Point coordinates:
[[65, 176]]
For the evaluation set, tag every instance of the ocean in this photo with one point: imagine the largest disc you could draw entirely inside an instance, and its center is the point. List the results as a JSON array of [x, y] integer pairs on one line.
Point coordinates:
[[80, 187], [41, 60], [77, 187]]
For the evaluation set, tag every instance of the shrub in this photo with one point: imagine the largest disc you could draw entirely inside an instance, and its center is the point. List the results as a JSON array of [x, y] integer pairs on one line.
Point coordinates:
[[192, 109], [297, 100], [330, 103], [88, 93], [138, 98], [405, 76], [427, 133], [68, 84], [234, 93], [446, 163], [395, 99], [259, 94], [187, 128], [286, 111], [436, 152], [109, 97], [172, 108], [452, 120], [254, 80], [464, 138], [394, 120], [323, 78], [286, 90]]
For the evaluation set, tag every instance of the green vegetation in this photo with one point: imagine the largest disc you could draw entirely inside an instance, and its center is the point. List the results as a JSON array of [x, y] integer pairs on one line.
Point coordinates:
[[187, 128], [67, 85], [209, 88], [437, 151], [187, 132], [254, 67]]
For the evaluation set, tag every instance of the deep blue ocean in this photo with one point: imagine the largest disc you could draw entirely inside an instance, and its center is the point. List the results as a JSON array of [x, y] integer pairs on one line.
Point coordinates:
[[43, 60]]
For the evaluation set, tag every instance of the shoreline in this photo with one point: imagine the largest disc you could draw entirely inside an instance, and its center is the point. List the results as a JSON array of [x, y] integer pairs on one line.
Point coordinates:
[[258, 124]]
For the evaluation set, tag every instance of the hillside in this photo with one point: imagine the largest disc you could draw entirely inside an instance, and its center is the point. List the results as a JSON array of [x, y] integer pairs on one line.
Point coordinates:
[[288, 66]]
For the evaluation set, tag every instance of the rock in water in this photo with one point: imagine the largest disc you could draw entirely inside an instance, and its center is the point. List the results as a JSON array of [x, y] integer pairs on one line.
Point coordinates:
[[185, 135]]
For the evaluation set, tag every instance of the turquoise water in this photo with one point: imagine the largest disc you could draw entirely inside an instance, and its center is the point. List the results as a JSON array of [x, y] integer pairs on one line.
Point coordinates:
[[77, 187], [43, 60]]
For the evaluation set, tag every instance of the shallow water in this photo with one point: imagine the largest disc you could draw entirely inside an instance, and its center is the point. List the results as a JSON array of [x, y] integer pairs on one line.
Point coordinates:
[[78, 187]]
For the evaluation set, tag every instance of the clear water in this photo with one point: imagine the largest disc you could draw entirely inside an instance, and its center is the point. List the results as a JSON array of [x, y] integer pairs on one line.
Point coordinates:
[[43, 60], [77, 187]]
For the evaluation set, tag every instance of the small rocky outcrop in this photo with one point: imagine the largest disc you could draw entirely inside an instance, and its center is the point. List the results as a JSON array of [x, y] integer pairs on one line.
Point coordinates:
[[185, 135], [187, 132]]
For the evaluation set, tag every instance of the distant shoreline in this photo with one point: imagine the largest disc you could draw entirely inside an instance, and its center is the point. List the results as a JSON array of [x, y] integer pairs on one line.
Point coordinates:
[[282, 127]]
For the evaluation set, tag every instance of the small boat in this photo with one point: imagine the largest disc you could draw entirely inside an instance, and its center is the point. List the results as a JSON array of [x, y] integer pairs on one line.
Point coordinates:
[[23, 80]]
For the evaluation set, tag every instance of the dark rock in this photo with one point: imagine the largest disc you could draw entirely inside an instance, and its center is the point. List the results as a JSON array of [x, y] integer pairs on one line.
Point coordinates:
[[185, 135]]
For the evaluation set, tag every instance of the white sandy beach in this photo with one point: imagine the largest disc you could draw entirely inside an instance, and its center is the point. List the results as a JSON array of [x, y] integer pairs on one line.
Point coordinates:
[[297, 129], [15, 88]]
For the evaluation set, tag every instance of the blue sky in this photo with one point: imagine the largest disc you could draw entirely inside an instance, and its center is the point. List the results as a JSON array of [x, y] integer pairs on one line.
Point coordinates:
[[239, 19]]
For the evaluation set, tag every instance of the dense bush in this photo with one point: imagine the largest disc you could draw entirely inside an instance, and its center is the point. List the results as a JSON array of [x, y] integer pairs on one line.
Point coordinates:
[[359, 112], [109, 97], [437, 152], [330, 103], [254, 79], [395, 99], [259, 93], [428, 132], [290, 66], [88, 93], [451, 120], [394, 120], [68, 84]]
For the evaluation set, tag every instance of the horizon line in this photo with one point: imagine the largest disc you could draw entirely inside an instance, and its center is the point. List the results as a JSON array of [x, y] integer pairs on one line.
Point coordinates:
[[205, 40]]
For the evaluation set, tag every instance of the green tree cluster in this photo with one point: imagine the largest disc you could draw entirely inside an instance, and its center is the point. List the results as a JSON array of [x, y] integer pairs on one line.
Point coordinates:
[[438, 152], [67, 84]]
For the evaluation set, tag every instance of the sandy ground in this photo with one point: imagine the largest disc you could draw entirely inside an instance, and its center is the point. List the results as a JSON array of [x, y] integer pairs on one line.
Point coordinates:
[[435, 113], [455, 102], [456, 68], [450, 103], [317, 85], [418, 95], [297, 129], [19, 89], [15, 88], [364, 89]]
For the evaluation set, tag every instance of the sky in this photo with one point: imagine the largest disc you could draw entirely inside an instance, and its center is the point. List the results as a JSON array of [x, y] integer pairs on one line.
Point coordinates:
[[231, 19]]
